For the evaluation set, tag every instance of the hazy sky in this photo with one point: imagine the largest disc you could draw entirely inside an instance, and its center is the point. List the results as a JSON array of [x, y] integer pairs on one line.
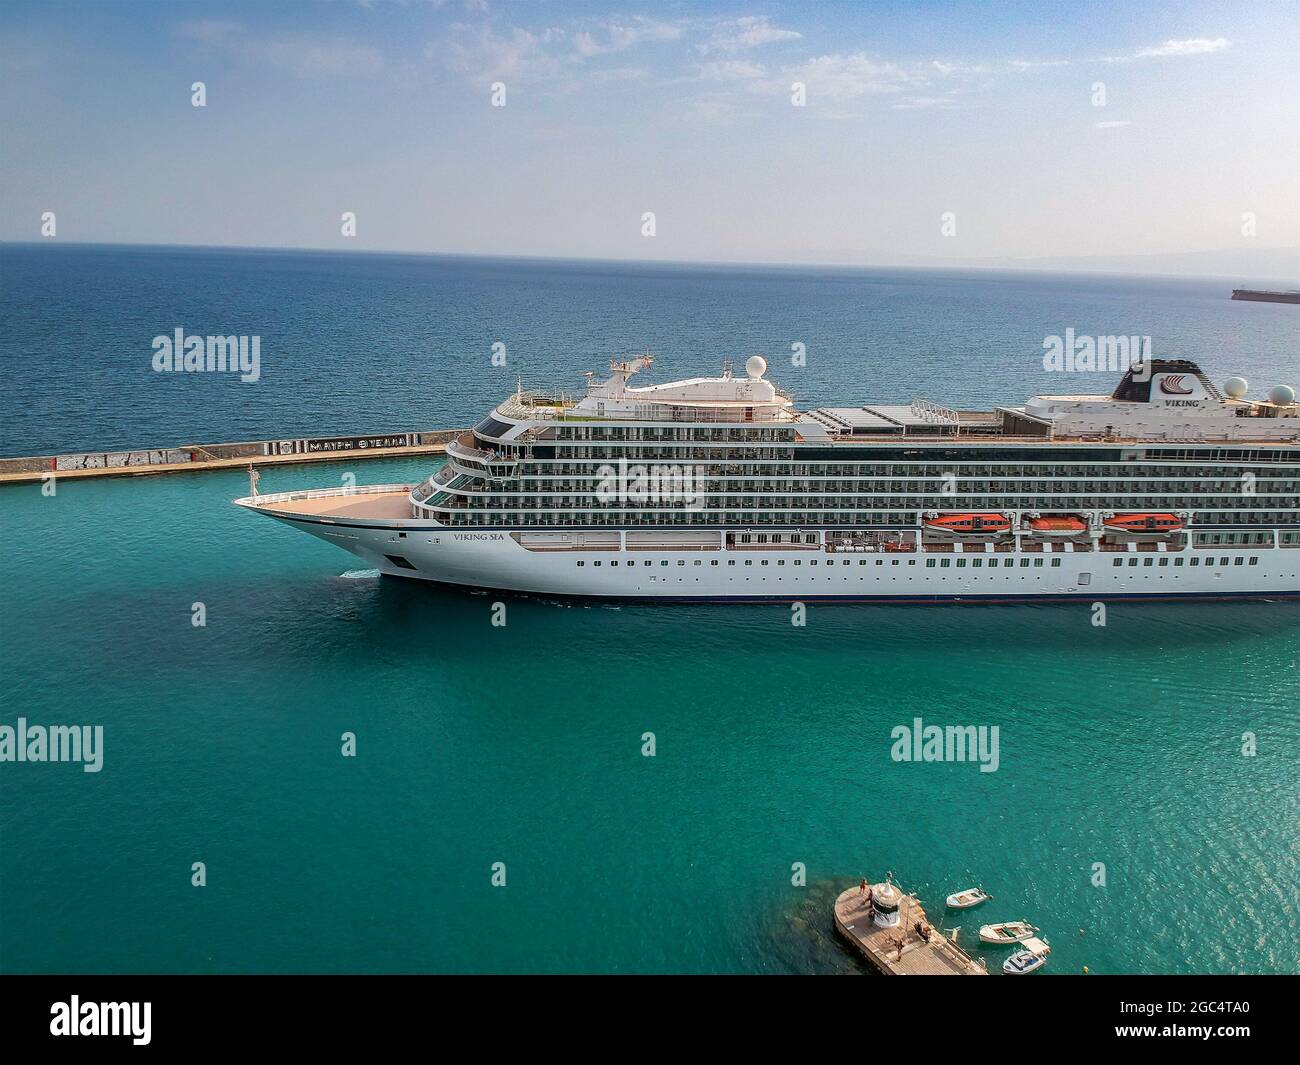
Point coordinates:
[[913, 109]]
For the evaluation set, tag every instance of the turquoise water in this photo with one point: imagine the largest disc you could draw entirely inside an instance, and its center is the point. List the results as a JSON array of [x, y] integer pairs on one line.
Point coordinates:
[[522, 744]]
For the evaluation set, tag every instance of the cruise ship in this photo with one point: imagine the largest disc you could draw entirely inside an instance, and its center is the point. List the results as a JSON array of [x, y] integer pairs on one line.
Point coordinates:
[[720, 489]]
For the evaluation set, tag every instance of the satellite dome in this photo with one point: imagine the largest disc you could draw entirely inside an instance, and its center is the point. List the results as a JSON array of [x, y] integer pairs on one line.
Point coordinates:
[[1282, 395], [1235, 387], [755, 366]]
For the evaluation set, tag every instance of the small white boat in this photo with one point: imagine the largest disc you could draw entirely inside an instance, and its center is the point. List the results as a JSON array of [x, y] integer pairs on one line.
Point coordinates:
[[1031, 956], [1006, 932], [964, 900]]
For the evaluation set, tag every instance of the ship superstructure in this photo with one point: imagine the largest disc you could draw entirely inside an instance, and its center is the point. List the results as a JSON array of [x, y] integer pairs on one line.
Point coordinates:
[[719, 488]]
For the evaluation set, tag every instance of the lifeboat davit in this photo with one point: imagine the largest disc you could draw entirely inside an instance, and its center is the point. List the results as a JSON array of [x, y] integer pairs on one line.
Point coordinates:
[[1068, 525], [1145, 523], [970, 524]]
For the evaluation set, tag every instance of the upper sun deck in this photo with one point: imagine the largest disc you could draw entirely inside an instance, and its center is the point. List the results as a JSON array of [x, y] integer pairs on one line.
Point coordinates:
[[698, 399], [1161, 401]]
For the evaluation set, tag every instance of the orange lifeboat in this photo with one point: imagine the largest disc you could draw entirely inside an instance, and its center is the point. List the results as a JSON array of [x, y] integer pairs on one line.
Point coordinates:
[[970, 524], [1144, 523], [1068, 525], [898, 545]]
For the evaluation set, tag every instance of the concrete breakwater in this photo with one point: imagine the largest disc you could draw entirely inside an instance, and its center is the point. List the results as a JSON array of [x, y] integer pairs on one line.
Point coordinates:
[[193, 457]]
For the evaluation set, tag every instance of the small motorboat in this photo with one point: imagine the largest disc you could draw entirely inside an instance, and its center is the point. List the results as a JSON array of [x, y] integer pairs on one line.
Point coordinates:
[[970, 524], [1031, 956], [1006, 932], [964, 900], [1144, 523]]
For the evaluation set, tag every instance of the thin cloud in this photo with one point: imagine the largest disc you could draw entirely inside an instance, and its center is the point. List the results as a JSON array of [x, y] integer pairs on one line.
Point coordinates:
[[1113, 124], [731, 70], [842, 77], [742, 34], [1036, 64], [520, 54], [1176, 49], [620, 36], [949, 70], [924, 103]]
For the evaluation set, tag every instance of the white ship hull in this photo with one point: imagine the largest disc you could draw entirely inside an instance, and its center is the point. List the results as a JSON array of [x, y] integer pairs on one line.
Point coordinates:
[[495, 561], [718, 489]]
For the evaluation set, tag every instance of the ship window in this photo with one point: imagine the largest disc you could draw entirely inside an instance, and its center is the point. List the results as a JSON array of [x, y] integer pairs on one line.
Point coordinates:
[[664, 562], [1148, 562], [1254, 561], [880, 562], [698, 562], [614, 563], [763, 563], [945, 563], [911, 562], [731, 562], [977, 562], [1118, 562], [780, 562], [1038, 562], [1132, 561], [798, 562], [961, 563], [582, 563], [893, 562], [1196, 560], [595, 563], [1164, 562], [1223, 561], [810, 538], [1239, 560], [648, 563], [1056, 563], [749, 562], [1178, 562], [681, 562], [862, 562], [1024, 562], [929, 563]]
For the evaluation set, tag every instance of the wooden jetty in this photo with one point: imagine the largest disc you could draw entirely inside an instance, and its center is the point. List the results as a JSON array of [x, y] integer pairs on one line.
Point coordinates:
[[898, 950]]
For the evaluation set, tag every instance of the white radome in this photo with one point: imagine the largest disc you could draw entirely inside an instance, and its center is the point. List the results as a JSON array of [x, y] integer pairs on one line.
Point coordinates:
[[755, 366], [1281, 395], [1235, 387]]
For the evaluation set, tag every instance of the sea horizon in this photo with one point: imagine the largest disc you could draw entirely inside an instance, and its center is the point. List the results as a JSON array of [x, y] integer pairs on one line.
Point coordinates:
[[1010, 266]]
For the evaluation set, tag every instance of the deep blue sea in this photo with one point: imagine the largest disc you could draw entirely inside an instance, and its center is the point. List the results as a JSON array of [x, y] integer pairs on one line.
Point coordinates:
[[1120, 747], [360, 343]]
